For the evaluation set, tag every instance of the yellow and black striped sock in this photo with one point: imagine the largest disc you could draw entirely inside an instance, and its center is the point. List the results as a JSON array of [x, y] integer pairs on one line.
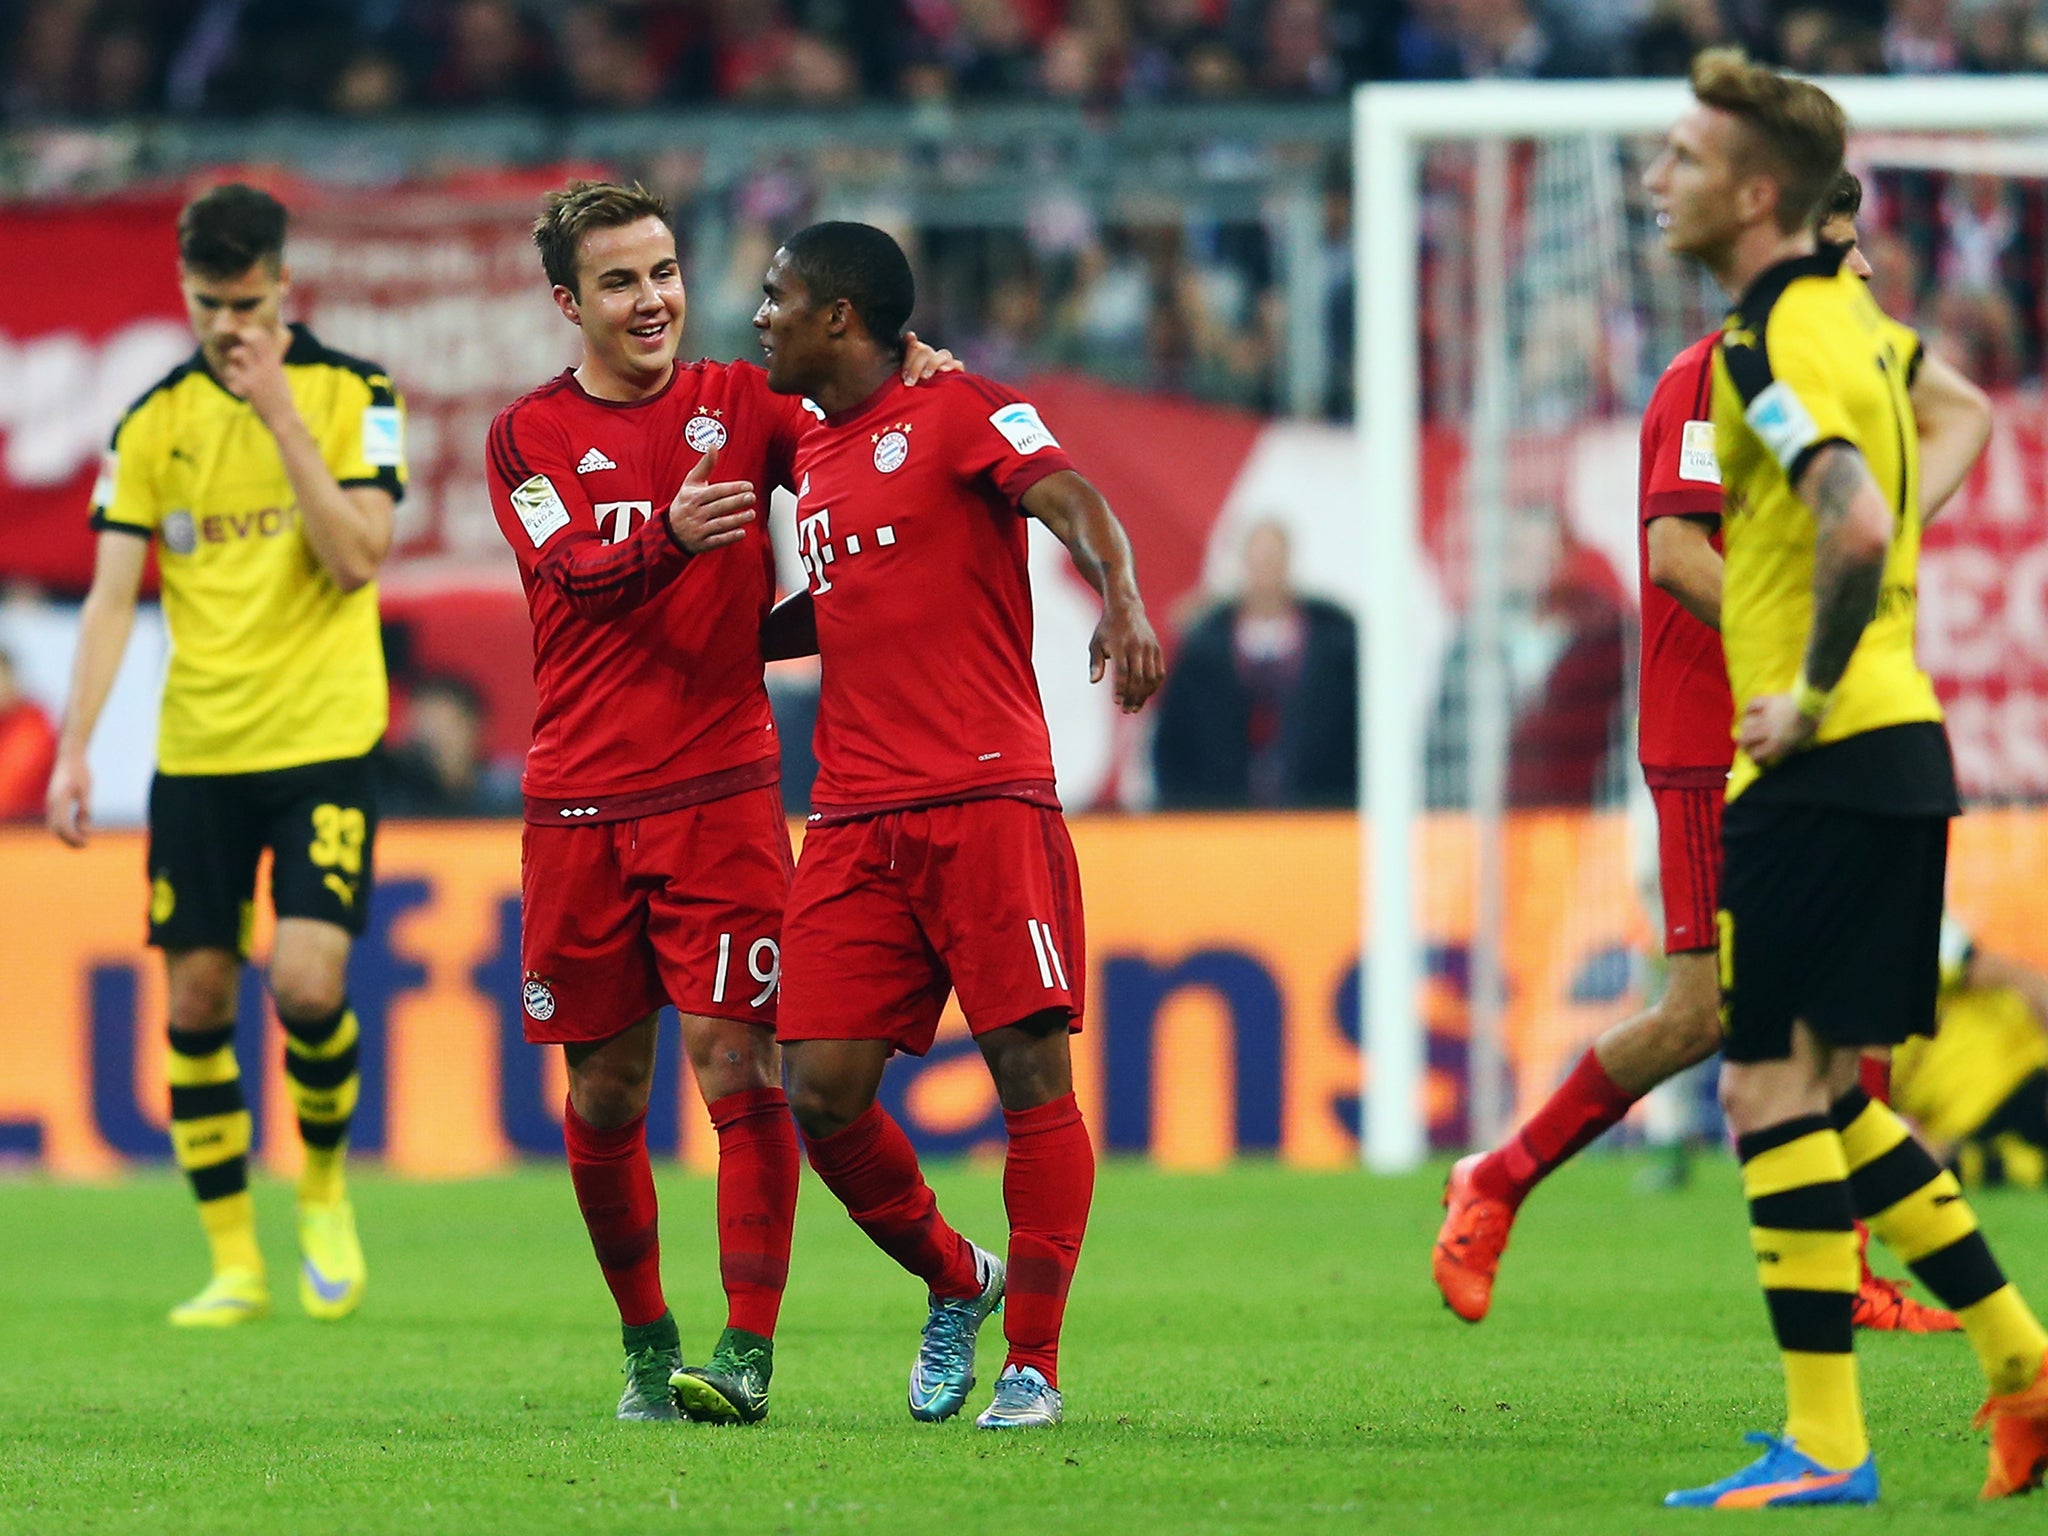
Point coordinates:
[[320, 1057], [210, 1133], [1803, 1230], [1917, 1210]]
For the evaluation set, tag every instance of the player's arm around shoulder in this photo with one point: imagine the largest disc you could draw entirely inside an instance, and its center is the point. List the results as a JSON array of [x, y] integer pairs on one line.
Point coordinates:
[[1124, 642], [1954, 421], [349, 528]]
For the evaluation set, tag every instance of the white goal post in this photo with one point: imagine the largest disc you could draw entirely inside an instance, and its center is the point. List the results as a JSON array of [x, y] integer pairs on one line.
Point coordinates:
[[1393, 126]]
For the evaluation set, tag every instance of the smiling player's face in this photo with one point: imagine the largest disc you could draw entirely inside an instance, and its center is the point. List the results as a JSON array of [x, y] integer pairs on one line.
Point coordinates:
[[629, 299]]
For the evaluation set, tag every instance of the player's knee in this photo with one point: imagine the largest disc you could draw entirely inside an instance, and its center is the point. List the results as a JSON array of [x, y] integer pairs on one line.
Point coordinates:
[[821, 1109], [202, 994], [1691, 1029], [303, 991], [608, 1095]]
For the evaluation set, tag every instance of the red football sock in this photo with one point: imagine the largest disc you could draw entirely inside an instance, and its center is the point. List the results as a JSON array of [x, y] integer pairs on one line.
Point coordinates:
[[1048, 1181], [871, 1167], [757, 1176], [615, 1187], [1874, 1073], [1585, 1104]]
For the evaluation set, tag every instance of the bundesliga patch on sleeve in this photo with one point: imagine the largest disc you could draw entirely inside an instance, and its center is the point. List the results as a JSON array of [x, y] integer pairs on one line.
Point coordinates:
[[1020, 424], [1781, 422], [383, 437], [1696, 457], [540, 509], [103, 488]]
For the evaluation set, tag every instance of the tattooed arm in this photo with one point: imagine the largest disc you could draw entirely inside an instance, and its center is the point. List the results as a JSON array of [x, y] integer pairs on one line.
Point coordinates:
[[1853, 532]]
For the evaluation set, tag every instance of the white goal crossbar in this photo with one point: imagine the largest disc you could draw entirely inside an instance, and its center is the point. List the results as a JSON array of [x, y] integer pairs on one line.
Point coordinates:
[[1391, 126]]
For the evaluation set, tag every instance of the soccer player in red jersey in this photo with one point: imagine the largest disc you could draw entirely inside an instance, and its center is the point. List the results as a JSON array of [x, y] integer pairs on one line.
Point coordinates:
[[1686, 747], [936, 858], [655, 861]]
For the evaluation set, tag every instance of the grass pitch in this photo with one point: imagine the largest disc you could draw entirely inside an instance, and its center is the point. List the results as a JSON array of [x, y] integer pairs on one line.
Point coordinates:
[[1253, 1351]]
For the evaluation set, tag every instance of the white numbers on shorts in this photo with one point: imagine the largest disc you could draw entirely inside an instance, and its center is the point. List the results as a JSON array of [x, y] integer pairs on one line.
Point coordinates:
[[769, 973], [1050, 971]]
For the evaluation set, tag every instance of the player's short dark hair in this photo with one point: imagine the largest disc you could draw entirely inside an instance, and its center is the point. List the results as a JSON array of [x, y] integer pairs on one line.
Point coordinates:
[[1796, 131], [1844, 199], [226, 230], [862, 265], [570, 214]]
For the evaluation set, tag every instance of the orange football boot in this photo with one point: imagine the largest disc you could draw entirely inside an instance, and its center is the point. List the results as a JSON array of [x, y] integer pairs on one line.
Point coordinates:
[[2019, 1438], [1882, 1305], [1469, 1243]]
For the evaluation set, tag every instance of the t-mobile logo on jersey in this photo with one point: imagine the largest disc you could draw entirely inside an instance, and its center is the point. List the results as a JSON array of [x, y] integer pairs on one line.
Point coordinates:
[[814, 545], [616, 520]]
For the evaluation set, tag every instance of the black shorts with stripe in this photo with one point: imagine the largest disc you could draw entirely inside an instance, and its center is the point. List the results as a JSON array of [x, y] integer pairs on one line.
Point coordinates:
[[1831, 916], [207, 832]]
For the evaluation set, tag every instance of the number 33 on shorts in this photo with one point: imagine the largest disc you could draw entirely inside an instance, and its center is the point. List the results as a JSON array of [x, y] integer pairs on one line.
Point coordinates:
[[763, 962]]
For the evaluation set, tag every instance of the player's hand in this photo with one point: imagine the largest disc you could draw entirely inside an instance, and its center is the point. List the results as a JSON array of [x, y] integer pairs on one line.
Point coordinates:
[[252, 369], [1125, 645], [708, 514], [1773, 728], [65, 806], [920, 362]]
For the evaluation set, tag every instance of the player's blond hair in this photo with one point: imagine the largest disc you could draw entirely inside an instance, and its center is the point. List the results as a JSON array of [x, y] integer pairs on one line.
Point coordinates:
[[566, 216], [1794, 131]]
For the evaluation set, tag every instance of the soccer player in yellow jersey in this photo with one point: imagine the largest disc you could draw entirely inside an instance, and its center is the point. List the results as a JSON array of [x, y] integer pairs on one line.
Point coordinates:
[[1836, 834], [265, 468]]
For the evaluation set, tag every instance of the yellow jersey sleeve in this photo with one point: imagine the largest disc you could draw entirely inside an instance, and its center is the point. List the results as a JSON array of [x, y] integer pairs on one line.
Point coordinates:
[[125, 498], [364, 438], [1790, 378]]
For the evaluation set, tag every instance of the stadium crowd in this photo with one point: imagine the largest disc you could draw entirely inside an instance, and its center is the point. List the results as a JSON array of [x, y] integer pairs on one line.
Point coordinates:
[[97, 59]]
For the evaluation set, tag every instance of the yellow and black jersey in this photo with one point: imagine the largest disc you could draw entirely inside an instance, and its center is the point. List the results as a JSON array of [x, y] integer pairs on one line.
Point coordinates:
[[272, 665], [1806, 358], [1987, 1045]]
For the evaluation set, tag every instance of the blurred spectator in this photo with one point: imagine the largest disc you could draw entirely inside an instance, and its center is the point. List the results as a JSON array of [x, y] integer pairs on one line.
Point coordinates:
[[491, 55], [371, 84], [1920, 38], [606, 59], [1564, 649], [1300, 56], [28, 749], [1260, 707], [438, 770]]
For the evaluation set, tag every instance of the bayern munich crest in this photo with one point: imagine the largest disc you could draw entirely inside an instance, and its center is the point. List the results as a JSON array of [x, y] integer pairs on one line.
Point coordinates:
[[539, 998], [891, 449], [704, 433]]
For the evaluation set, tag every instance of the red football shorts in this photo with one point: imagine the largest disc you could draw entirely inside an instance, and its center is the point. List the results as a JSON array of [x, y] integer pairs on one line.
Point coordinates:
[[1689, 864], [890, 913], [621, 917]]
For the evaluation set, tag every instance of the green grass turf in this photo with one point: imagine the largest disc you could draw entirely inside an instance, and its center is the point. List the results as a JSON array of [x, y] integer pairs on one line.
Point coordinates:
[[1254, 1351]]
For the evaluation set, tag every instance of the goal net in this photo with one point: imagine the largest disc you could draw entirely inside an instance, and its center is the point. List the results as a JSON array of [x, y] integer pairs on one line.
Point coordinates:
[[1516, 307]]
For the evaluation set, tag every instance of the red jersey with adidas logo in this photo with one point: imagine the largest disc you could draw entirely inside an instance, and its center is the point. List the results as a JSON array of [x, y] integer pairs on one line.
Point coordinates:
[[912, 533], [647, 661]]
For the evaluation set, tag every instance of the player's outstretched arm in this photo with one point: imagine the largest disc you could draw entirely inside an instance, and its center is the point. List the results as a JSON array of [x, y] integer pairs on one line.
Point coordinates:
[[1853, 536], [103, 630], [791, 629], [1684, 563], [349, 530], [1954, 418], [1124, 643]]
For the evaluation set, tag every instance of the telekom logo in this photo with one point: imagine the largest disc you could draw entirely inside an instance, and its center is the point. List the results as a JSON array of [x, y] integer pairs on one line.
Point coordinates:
[[61, 394], [813, 543]]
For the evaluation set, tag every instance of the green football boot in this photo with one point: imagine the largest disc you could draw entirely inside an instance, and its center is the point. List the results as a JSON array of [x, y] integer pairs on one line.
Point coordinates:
[[732, 1386], [653, 1355]]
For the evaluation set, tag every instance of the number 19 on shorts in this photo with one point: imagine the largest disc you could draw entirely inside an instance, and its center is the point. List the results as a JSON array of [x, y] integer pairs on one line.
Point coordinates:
[[763, 962]]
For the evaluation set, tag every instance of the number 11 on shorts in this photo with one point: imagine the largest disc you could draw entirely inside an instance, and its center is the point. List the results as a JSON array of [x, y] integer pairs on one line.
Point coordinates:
[[769, 974], [1050, 971]]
